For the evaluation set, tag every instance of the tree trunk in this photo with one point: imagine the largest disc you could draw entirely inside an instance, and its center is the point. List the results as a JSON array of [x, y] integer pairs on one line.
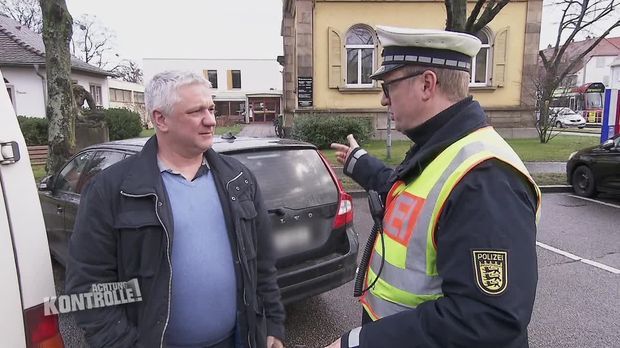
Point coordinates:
[[61, 111], [456, 11]]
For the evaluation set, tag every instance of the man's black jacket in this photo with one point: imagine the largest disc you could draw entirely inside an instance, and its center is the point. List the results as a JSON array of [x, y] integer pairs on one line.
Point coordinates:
[[124, 230], [492, 208]]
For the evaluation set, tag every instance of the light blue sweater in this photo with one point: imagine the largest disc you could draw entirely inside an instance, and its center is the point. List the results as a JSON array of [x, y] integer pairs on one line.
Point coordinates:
[[203, 304]]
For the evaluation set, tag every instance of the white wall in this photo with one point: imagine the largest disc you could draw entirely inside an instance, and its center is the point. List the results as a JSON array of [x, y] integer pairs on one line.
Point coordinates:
[[85, 81], [29, 97], [29, 89], [257, 75], [598, 70], [615, 72]]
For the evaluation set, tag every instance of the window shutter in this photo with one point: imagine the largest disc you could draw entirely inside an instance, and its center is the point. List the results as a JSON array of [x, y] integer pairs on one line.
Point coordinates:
[[229, 79], [205, 74], [335, 58], [499, 57]]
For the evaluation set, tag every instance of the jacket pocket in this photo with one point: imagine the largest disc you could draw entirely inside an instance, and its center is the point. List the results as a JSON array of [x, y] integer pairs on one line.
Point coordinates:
[[247, 221], [139, 243]]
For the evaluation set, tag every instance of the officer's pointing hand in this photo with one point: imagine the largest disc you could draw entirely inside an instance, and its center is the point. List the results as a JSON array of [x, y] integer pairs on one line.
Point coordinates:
[[343, 151]]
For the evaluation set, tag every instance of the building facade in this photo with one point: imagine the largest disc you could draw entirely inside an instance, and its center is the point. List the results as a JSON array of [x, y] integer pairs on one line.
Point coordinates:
[[596, 65], [128, 95], [245, 90], [330, 48], [22, 60], [615, 73]]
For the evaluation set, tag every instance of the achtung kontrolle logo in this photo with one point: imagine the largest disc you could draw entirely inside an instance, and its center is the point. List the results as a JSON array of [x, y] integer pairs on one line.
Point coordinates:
[[101, 295]]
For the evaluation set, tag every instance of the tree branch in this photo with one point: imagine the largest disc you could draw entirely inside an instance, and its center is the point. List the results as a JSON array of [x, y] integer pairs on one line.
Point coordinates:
[[474, 14]]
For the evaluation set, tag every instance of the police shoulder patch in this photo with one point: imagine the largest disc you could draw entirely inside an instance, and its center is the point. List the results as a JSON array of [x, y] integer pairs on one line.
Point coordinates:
[[491, 269]]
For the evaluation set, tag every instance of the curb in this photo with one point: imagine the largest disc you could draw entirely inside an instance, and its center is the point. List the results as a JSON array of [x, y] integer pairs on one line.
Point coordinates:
[[543, 189]]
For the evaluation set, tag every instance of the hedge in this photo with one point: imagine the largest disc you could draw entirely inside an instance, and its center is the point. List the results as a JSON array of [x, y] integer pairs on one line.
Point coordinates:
[[123, 123], [34, 129], [324, 130]]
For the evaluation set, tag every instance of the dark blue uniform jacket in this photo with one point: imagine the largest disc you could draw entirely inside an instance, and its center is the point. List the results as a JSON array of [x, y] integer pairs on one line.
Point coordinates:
[[492, 208]]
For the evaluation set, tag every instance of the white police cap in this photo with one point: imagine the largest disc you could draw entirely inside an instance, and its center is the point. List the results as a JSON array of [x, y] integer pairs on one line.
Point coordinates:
[[425, 47]]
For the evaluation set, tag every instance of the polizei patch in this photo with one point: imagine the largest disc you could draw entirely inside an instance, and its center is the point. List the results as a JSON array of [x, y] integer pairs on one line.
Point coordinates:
[[491, 268]]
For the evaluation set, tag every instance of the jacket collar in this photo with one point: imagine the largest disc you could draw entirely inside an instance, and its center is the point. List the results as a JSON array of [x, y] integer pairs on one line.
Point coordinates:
[[144, 176], [461, 119]]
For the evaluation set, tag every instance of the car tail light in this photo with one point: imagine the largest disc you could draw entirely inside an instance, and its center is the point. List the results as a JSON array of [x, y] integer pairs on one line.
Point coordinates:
[[344, 215], [345, 210], [42, 330]]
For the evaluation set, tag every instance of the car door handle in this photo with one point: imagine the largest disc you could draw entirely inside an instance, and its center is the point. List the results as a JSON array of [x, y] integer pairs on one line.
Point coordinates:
[[59, 209]]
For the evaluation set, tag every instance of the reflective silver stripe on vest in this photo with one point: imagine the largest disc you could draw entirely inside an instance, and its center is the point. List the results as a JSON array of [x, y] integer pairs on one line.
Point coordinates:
[[384, 308], [414, 279]]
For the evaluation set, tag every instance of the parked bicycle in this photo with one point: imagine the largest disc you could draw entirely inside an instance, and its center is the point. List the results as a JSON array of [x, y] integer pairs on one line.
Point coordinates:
[[278, 126]]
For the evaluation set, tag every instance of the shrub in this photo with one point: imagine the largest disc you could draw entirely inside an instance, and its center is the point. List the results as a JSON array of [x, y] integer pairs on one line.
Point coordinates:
[[123, 123], [324, 130], [34, 129]]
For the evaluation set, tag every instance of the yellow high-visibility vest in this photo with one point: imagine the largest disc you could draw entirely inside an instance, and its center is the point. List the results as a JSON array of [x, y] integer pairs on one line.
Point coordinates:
[[409, 276]]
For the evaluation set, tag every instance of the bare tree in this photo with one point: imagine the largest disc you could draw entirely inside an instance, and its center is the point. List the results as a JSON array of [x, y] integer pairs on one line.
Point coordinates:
[[61, 111], [128, 70], [92, 41], [27, 12], [578, 16], [483, 12]]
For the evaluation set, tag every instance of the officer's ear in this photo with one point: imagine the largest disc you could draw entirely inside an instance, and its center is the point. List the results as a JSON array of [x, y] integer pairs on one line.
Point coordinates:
[[429, 85]]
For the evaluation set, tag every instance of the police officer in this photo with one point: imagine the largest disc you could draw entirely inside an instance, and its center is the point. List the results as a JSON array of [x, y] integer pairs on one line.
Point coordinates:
[[456, 262]]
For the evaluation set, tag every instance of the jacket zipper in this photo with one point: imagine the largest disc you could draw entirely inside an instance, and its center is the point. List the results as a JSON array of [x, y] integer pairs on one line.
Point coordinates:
[[161, 344], [245, 302], [233, 179]]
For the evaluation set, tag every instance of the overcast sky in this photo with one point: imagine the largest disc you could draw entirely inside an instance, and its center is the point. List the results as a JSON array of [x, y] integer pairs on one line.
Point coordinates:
[[189, 28], [215, 28]]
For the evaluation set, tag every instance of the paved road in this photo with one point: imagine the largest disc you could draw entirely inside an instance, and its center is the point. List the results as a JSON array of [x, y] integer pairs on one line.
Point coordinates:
[[577, 304]]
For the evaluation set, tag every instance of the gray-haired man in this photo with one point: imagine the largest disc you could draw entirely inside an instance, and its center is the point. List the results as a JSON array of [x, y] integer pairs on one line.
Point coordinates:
[[202, 254]]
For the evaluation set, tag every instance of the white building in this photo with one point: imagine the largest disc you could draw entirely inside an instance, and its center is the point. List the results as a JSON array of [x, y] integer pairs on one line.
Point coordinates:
[[238, 84], [615, 73], [22, 60], [128, 95], [595, 65]]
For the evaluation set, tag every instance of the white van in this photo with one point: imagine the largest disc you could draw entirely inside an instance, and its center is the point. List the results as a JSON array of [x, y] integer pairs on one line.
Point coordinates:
[[25, 264]]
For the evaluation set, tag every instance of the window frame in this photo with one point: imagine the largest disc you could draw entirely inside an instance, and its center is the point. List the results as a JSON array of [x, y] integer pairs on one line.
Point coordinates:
[[11, 91], [214, 85], [232, 77], [488, 71], [136, 99], [359, 49], [98, 97]]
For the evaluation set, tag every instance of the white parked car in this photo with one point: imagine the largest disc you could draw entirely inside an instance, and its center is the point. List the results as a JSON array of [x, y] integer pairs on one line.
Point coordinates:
[[25, 263], [565, 117]]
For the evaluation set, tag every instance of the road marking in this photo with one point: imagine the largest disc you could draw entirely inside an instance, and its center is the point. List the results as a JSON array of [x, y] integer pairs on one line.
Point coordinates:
[[577, 258], [595, 201]]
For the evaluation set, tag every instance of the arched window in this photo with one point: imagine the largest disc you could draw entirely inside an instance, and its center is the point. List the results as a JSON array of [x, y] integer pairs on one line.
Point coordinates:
[[480, 71], [360, 46]]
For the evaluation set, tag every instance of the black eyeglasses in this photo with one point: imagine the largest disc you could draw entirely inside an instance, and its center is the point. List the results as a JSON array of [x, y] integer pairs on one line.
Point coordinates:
[[385, 85]]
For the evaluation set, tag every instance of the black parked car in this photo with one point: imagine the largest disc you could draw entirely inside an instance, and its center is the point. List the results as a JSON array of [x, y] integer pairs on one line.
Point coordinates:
[[312, 216], [595, 169]]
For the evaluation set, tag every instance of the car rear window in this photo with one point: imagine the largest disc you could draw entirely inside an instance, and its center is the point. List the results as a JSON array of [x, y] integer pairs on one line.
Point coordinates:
[[291, 178]]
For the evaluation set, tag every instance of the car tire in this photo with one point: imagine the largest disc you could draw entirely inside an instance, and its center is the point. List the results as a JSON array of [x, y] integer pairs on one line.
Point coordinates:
[[558, 125], [582, 181]]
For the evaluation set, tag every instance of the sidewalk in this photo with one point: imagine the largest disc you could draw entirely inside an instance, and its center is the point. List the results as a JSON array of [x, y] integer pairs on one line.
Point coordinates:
[[258, 130], [532, 167], [546, 167]]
